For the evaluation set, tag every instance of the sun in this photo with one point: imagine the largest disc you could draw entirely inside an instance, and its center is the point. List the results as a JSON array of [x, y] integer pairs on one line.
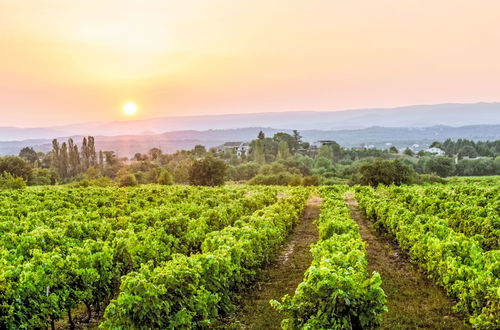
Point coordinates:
[[130, 108]]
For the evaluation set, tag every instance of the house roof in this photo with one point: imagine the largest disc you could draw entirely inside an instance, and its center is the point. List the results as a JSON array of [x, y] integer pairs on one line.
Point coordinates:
[[232, 144]]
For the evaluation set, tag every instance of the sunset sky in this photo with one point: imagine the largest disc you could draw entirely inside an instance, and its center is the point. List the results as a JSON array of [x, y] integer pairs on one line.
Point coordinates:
[[70, 61]]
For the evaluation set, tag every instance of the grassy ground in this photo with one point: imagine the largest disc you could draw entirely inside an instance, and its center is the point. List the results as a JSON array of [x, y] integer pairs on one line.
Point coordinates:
[[414, 302], [281, 277]]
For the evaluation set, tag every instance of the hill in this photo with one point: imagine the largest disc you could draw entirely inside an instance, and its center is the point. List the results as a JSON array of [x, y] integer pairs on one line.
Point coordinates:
[[381, 137], [454, 115]]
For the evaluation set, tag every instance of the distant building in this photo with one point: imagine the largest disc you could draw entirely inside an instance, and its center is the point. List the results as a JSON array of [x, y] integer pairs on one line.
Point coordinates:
[[321, 143], [435, 151], [239, 148]]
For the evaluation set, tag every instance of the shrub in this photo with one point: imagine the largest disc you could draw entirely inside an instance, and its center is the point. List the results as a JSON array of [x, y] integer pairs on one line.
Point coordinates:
[[208, 171], [42, 177], [8, 181], [127, 180], [426, 178], [165, 177], [311, 180], [281, 179], [101, 182], [384, 172]]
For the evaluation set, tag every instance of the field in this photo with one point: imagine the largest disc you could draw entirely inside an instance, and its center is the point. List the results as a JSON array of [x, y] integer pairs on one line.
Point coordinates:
[[452, 233], [187, 257]]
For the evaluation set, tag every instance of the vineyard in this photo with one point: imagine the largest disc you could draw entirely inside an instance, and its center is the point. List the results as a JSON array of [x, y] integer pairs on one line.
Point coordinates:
[[60, 248], [180, 257], [452, 233]]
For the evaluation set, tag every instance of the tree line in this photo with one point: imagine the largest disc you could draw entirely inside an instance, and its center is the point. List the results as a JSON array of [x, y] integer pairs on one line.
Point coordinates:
[[281, 159]]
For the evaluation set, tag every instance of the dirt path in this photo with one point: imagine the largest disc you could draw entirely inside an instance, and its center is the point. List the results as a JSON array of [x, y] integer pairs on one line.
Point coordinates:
[[413, 300], [281, 277]]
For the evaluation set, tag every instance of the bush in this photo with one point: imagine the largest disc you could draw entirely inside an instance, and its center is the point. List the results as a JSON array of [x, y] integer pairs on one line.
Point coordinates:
[[281, 179], [384, 172], [42, 177], [127, 180], [243, 172], [441, 165], [165, 177], [311, 180], [92, 173], [426, 178], [333, 181], [8, 181], [101, 182], [209, 171], [16, 166]]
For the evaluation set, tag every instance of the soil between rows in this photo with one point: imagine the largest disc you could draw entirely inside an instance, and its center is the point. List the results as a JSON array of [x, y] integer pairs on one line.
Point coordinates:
[[414, 302], [282, 276]]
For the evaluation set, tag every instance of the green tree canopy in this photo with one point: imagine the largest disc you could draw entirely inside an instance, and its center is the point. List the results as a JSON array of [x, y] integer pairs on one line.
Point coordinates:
[[29, 155], [208, 171], [386, 172], [16, 166]]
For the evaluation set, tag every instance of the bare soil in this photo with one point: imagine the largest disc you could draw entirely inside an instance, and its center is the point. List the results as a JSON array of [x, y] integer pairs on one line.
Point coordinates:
[[414, 302], [281, 277]]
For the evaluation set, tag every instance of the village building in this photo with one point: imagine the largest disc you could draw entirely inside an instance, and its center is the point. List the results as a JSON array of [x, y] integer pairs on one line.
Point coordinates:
[[239, 148]]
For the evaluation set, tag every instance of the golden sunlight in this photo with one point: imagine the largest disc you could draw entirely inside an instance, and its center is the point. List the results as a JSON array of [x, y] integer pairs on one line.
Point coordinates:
[[130, 108]]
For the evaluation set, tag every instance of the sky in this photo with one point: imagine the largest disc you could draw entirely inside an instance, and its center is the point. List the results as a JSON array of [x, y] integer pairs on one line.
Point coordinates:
[[70, 61]]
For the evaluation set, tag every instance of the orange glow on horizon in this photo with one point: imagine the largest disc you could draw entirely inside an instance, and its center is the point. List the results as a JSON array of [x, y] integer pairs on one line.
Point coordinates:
[[220, 56]]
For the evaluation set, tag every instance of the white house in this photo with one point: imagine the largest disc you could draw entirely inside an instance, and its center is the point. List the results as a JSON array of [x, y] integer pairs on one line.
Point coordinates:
[[435, 151], [239, 148], [321, 143]]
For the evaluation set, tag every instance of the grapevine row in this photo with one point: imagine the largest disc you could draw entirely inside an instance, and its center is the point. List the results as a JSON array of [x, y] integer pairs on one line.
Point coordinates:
[[53, 259], [338, 292], [474, 211], [450, 258], [193, 291]]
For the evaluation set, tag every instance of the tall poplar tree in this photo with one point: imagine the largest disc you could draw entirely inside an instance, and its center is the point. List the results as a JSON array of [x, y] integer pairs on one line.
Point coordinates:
[[258, 152], [85, 154], [283, 152], [55, 155], [63, 161], [91, 151]]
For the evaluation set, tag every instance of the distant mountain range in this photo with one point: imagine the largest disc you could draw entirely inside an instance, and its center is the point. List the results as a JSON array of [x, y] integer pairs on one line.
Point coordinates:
[[381, 137], [453, 115]]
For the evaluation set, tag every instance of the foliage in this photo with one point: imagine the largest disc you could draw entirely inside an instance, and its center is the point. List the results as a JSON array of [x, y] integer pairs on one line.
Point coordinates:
[[408, 152], [478, 167], [326, 151], [311, 180], [8, 181], [61, 247], [384, 172], [283, 151], [42, 177], [193, 291], [279, 179], [469, 148], [165, 177], [29, 155], [450, 253], [441, 165], [15, 166], [337, 292], [426, 179], [127, 180], [243, 172], [393, 150], [469, 210], [99, 182], [208, 171]]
